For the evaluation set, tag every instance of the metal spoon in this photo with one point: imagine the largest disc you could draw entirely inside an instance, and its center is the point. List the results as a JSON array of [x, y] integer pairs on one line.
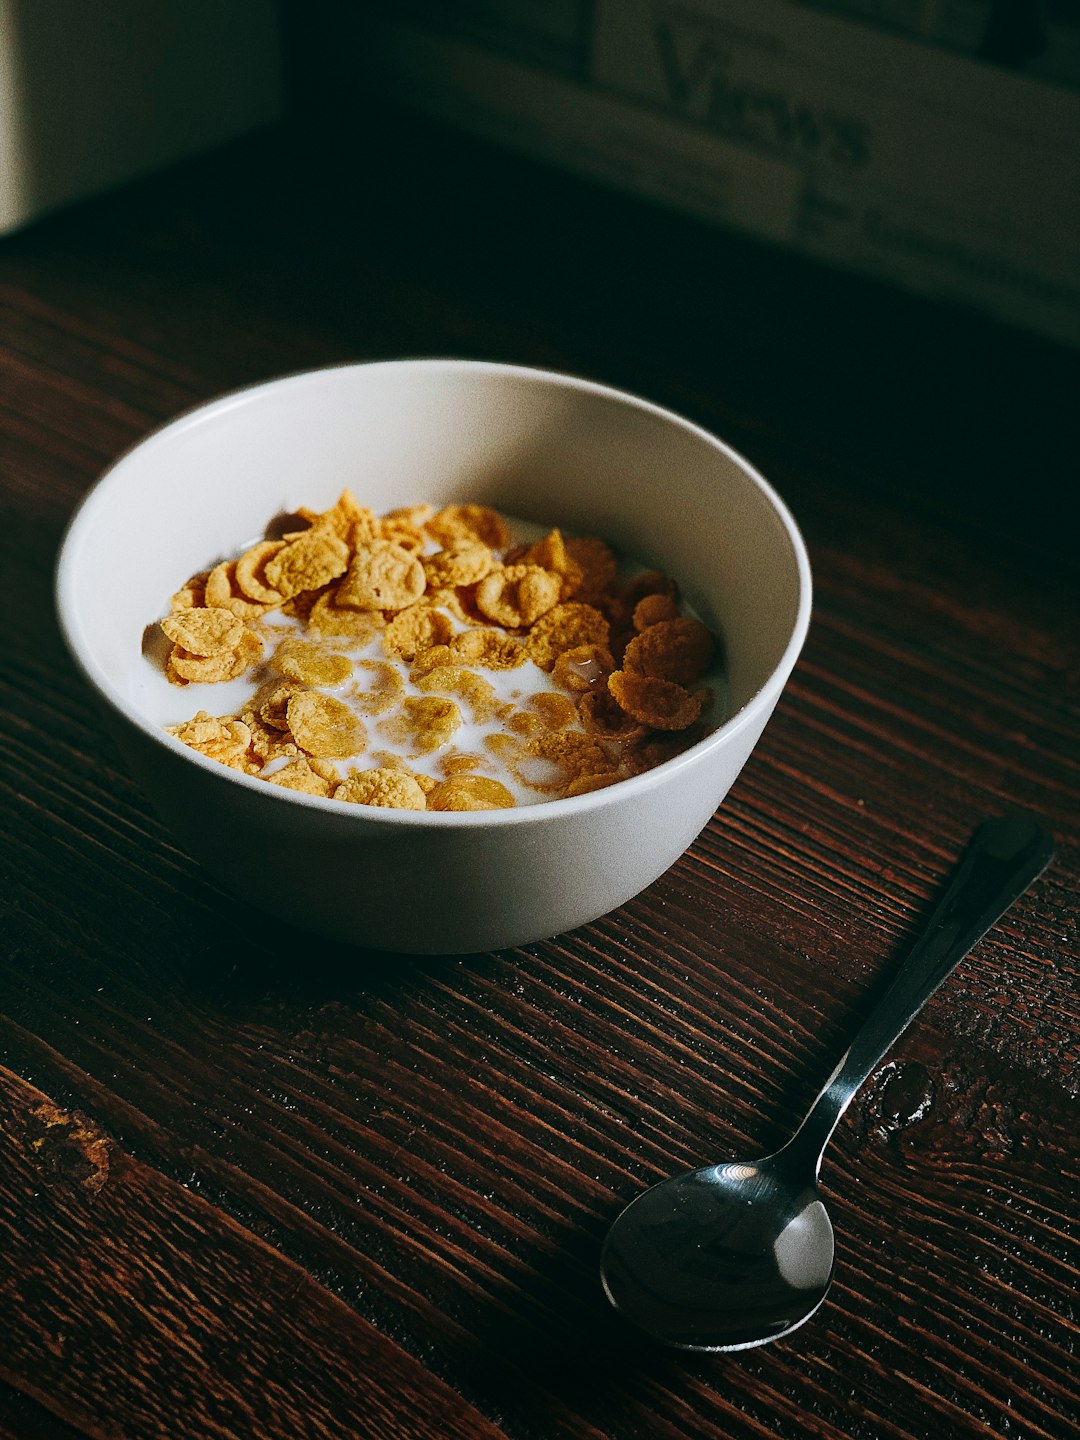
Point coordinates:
[[734, 1255]]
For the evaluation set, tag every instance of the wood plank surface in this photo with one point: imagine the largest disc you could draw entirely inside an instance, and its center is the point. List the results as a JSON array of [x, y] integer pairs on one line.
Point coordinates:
[[257, 1185]]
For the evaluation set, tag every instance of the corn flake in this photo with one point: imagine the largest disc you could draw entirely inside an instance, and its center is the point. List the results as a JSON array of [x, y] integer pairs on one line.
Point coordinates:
[[222, 738], [423, 723], [388, 788], [223, 592], [251, 573], [456, 762], [470, 792], [269, 742], [461, 523], [387, 760], [586, 784], [311, 664], [677, 650], [463, 564], [212, 669], [658, 748], [382, 576], [555, 711], [596, 560], [270, 700], [329, 620], [525, 724], [408, 537], [324, 726], [414, 515], [518, 595], [312, 560], [651, 609], [346, 518], [549, 761], [584, 668], [551, 553], [206, 631], [489, 649], [298, 775], [603, 718], [192, 593], [415, 629], [564, 628], [661, 704]]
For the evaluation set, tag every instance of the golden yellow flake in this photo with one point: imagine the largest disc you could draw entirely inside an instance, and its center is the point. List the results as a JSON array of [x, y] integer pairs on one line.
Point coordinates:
[[212, 669], [518, 595], [555, 710], [223, 592], [387, 760], [490, 649], [551, 553], [345, 516], [328, 619], [251, 572], [271, 698], [311, 664], [382, 576], [222, 738], [323, 726], [408, 537], [413, 630], [455, 762], [470, 792], [298, 775], [268, 742], [424, 723], [463, 564], [457, 523], [205, 631], [548, 762], [312, 560], [388, 788], [586, 784], [192, 594], [414, 515], [564, 628]]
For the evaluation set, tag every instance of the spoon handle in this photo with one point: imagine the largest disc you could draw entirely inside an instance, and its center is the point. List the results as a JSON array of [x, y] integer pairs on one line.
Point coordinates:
[[1004, 856]]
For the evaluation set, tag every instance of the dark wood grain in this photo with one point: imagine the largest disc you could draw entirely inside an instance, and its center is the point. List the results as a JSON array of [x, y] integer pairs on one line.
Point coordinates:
[[256, 1185]]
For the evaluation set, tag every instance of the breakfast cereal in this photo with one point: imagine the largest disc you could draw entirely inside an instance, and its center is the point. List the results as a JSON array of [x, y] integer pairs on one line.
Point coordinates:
[[433, 660]]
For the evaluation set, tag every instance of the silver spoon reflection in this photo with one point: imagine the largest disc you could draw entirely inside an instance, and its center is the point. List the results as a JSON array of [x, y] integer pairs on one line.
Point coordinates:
[[733, 1255]]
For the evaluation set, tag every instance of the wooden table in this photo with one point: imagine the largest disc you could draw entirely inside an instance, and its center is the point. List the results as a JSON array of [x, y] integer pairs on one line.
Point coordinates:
[[254, 1186]]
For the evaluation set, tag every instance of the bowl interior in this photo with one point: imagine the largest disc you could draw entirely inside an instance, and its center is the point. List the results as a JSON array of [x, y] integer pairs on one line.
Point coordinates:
[[544, 447]]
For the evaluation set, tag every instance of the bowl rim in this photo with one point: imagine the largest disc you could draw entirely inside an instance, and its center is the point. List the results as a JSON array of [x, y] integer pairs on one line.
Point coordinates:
[[543, 811]]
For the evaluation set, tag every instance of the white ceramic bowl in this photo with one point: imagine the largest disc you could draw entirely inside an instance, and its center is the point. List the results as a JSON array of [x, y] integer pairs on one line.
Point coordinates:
[[541, 446]]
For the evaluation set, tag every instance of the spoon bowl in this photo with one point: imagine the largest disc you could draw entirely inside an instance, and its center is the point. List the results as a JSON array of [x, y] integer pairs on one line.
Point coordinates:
[[738, 1254], [723, 1257]]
